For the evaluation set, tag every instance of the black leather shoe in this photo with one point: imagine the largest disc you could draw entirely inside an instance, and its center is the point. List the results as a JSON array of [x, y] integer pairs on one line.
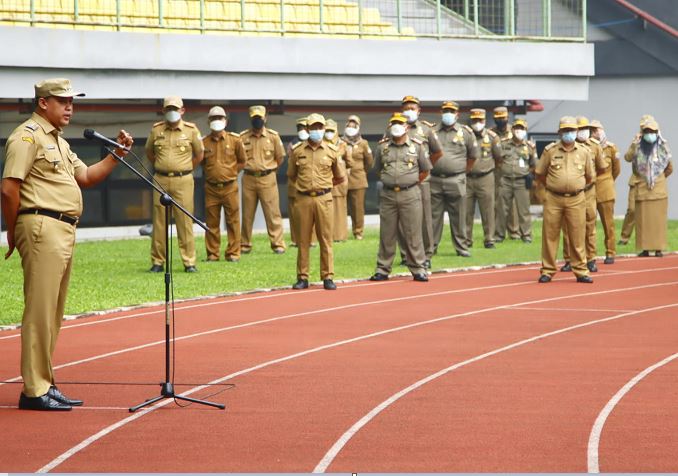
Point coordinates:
[[329, 285], [464, 254], [190, 269], [403, 262], [421, 277], [489, 245], [427, 264], [232, 259], [527, 240], [609, 260], [279, 251], [300, 284], [156, 268], [499, 239], [379, 277], [658, 254], [55, 394], [584, 279], [245, 250], [44, 403], [622, 242], [566, 267], [591, 265], [544, 278], [643, 254]]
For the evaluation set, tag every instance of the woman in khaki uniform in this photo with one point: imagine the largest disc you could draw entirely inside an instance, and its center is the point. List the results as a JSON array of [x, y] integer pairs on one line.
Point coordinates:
[[362, 161], [651, 159]]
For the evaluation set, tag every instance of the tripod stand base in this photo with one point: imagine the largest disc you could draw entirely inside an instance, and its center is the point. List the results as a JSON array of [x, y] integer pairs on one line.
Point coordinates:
[[167, 391]]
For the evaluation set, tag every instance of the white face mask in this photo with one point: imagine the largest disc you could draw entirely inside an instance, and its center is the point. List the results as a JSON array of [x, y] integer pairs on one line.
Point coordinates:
[[329, 135], [583, 134], [398, 130], [302, 134], [316, 135], [172, 116], [218, 125], [449, 118], [520, 134], [351, 131], [478, 126], [411, 115]]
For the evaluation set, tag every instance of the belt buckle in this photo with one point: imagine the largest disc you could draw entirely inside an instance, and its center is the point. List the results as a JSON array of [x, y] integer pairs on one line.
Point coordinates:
[[396, 188], [170, 174], [567, 195], [313, 194]]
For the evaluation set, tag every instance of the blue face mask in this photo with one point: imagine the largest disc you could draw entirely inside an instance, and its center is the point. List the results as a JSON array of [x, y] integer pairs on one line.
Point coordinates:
[[568, 137], [650, 137], [316, 135], [449, 118]]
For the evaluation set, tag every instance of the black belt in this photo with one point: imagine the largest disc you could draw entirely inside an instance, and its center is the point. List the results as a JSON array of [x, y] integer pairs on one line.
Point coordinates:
[[316, 193], [589, 187], [221, 184], [439, 175], [522, 177], [569, 194], [174, 174], [52, 214], [479, 174], [263, 173], [400, 188]]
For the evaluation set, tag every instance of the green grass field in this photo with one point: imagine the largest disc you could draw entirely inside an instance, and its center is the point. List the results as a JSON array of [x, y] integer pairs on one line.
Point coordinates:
[[109, 274]]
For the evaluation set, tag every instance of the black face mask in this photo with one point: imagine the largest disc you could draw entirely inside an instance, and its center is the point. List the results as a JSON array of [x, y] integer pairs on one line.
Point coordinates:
[[500, 123], [257, 122]]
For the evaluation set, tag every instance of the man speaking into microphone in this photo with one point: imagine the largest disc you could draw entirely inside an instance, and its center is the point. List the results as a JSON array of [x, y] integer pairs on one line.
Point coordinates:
[[42, 205]]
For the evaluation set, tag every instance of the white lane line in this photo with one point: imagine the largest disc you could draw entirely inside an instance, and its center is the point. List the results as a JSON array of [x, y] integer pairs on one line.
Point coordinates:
[[570, 309], [85, 443], [215, 301], [594, 437], [336, 448]]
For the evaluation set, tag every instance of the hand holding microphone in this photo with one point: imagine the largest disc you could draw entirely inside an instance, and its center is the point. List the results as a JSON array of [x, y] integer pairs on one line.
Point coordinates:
[[122, 146]]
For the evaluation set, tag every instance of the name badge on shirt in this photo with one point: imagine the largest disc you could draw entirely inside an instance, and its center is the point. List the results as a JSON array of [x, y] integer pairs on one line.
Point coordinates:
[[521, 163]]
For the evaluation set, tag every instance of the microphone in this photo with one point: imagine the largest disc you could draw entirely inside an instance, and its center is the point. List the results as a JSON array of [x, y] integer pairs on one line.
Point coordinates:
[[91, 134]]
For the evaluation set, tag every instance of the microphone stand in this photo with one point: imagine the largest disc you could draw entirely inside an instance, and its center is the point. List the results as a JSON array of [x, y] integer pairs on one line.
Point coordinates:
[[167, 388]]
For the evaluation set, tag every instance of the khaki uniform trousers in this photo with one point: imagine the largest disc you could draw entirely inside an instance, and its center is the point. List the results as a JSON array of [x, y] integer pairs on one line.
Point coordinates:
[[630, 218], [294, 223], [46, 249], [606, 212], [449, 195], [181, 189], [400, 212], [216, 198], [512, 224], [318, 212], [426, 225], [265, 190], [356, 204], [340, 228], [481, 191], [566, 213], [513, 194], [590, 236]]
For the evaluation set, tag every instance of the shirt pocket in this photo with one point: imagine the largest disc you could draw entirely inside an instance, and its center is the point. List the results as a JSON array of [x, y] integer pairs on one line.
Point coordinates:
[[556, 165], [50, 163], [159, 143]]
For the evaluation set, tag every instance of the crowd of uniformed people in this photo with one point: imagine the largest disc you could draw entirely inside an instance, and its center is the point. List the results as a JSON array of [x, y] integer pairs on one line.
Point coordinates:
[[425, 171]]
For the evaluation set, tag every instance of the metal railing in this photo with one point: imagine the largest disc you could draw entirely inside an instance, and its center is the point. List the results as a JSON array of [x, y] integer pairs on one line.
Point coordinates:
[[541, 20]]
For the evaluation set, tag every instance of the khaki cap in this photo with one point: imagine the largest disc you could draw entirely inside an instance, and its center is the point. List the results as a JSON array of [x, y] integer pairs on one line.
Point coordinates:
[[60, 87], [646, 118], [257, 111], [216, 111], [175, 101], [597, 124], [567, 122], [477, 113], [316, 119], [353, 118], [651, 124], [413, 99], [500, 111], [583, 122], [398, 117], [520, 123], [331, 125], [302, 121], [450, 105]]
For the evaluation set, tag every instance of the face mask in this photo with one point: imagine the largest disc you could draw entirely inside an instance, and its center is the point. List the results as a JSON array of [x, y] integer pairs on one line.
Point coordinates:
[[583, 135], [500, 123], [478, 126], [172, 116], [257, 122], [520, 134], [650, 137], [329, 135], [351, 131], [302, 134], [398, 130], [218, 125], [568, 137], [449, 118], [411, 115], [316, 135], [602, 136]]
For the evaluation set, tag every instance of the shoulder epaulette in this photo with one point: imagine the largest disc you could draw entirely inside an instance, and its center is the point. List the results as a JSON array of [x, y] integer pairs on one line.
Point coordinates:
[[492, 134], [246, 131], [429, 124], [32, 126], [233, 134], [550, 146], [595, 141], [468, 128], [417, 140], [506, 139], [297, 145], [159, 123], [384, 140], [274, 132], [333, 147], [610, 144], [190, 124]]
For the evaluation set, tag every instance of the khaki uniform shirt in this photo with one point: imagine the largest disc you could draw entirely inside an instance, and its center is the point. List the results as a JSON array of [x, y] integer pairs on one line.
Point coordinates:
[[425, 132], [399, 165], [605, 181], [517, 159], [264, 152], [223, 154], [490, 151], [596, 155], [174, 148], [659, 191], [313, 170], [345, 162], [565, 171], [459, 144], [36, 154], [361, 161], [503, 134]]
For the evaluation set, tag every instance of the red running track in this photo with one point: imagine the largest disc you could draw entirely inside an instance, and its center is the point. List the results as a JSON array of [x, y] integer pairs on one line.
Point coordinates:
[[474, 371]]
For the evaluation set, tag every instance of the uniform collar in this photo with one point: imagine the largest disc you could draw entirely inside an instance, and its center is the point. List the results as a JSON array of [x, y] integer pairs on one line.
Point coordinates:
[[264, 132], [179, 126], [562, 146], [44, 123], [453, 127], [408, 141], [221, 136], [323, 143]]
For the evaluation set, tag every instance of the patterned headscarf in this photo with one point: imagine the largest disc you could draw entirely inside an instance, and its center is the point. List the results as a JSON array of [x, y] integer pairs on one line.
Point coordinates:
[[651, 160]]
